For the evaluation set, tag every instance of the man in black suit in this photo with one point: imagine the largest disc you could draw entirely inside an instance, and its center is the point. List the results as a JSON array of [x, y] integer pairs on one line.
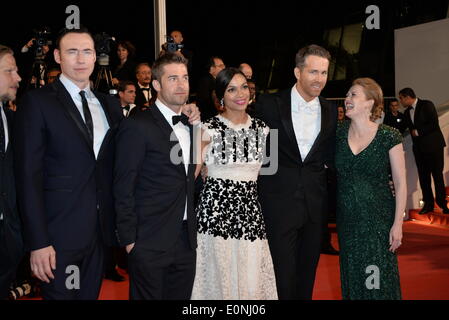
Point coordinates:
[[154, 188], [127, 95], [11, 244], [64, 156], [394, 118], [294, 199], [428, 147], [206, 85], [145, 94]]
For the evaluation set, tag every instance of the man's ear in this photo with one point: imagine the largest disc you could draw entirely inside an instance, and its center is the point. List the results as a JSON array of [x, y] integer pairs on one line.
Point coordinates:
[[57, 56], [156, 85], [297, 72]]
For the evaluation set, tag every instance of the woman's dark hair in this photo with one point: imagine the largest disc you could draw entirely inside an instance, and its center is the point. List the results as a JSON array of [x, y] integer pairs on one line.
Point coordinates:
[[222, 81], [128, 46]]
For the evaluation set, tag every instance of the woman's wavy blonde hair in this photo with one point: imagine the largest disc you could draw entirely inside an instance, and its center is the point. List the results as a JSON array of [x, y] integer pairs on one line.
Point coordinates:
[[372, 91]]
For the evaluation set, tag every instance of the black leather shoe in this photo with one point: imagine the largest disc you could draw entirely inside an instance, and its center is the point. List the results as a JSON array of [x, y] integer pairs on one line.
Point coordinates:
[[114, 277], [330, 250], [426, 210], [446, 210]]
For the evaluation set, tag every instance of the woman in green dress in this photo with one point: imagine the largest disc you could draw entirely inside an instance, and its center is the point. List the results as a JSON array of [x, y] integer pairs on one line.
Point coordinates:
[[369, 210]]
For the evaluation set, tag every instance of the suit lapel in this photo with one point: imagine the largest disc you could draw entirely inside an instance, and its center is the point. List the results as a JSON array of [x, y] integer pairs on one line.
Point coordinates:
[[9, 123], [417, 111], [72, 111], [105, 107], [285, 110], [324, 121], [107, 111], [168, 132], [191, 165]]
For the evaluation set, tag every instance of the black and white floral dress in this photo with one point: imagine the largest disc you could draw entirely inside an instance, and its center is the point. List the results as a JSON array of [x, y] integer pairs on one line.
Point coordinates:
[[233, 257]]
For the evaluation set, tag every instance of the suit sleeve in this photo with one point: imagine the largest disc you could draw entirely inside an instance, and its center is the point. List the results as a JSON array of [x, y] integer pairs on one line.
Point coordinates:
[[259, 107], [130, 152], [330, 148], [29, 149], [204, 97], [430, 116]]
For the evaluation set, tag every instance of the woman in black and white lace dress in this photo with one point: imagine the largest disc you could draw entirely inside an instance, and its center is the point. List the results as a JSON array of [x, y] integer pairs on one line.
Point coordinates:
[[233, 257]]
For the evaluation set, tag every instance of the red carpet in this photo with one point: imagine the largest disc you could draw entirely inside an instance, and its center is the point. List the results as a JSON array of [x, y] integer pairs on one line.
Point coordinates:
[[435, 218], [423, 267]]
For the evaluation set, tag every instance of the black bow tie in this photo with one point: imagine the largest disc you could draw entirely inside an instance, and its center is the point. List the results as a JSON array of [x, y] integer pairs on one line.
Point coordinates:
[[127, 107], [146, 89], [183, 118]]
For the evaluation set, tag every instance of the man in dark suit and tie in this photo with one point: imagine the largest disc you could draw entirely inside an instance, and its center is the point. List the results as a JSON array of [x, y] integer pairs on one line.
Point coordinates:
[[294, 199], [127, 95], [11, 244], [428, 148], [64, 163], [145, 94], [206, 85], [154, 188]]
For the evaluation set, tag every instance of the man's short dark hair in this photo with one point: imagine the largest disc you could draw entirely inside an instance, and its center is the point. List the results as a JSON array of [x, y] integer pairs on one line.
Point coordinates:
[[393, 100], [121, 87], [4, 50], [66, 31], [164, 60], [310, 50], [407, 92]]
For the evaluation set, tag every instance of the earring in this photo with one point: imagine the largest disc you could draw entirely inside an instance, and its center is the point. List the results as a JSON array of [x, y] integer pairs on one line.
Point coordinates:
[[222, 102]]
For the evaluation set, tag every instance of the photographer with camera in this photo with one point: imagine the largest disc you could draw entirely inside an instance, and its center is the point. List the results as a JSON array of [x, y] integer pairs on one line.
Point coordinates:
[[175, 44], [39, 58]]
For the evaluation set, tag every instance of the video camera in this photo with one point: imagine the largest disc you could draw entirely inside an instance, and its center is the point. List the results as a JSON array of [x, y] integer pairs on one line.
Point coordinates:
[[41, 39], [171, 45], [103, 47]]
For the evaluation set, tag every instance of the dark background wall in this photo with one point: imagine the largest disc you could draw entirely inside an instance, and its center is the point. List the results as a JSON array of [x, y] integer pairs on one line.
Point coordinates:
[[238, 31]]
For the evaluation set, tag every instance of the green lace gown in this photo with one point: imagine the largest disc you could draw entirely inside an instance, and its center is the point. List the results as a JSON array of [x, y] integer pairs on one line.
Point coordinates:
[[365, 214]]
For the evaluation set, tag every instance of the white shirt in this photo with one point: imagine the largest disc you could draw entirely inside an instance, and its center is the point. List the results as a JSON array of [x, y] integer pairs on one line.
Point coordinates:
[[126, 113], [146, 93], [412, 110], [5, 125], [99, 120], [306, 118], [182, 133]]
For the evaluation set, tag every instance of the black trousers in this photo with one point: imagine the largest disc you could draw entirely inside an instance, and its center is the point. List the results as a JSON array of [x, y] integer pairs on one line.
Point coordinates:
[[162, 275], [295, 251], [431, 164], [10, 255], [89, 262]]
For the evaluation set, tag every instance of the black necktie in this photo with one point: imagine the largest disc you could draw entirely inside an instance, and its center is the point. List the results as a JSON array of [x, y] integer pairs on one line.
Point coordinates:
[[183, 118], [2, 133], [87, 115]]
